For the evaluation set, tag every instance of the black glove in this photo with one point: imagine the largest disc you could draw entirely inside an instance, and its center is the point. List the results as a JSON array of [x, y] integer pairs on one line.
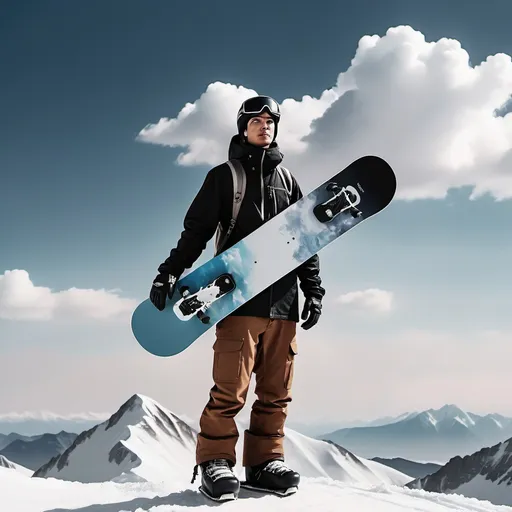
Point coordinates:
[[163, 287], [312, 311]]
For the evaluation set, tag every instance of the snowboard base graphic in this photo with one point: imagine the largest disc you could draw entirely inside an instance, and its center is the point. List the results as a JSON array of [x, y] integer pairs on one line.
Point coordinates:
[[215, 289]]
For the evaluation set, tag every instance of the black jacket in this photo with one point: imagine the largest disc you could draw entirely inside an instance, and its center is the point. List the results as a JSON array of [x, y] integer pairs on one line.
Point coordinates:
[[213, 204]]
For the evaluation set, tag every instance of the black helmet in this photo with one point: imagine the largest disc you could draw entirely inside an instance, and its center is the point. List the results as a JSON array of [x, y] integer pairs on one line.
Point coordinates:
[[254, 106]]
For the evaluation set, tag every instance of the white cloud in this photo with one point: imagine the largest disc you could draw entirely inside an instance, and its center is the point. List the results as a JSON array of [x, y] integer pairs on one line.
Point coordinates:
[[421, 105], [202, 125], [373, 299], [207, 124], [20, 299]]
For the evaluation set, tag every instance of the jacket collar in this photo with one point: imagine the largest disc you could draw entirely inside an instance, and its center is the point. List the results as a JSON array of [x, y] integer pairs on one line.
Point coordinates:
[[245, 152]]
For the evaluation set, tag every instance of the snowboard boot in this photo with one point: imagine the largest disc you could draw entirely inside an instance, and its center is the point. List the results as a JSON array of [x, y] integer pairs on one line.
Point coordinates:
[[218, 482], [272, 476]]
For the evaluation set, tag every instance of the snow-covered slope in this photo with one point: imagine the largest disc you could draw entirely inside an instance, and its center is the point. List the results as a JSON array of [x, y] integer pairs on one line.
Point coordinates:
[[19, 493], [8, 464], [431, 435], [486, 475], [145, 441], [315, 458]]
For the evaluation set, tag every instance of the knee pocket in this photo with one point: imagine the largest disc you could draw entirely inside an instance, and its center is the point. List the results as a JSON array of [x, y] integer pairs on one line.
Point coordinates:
[[227, 359], [290, 364]]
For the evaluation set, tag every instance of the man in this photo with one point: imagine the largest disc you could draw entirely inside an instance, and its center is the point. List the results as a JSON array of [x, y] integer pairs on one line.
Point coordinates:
[[260, 336]]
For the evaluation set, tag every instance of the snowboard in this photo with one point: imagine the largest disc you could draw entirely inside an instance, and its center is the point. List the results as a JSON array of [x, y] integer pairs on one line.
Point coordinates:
[[212, 291], [283, 493]]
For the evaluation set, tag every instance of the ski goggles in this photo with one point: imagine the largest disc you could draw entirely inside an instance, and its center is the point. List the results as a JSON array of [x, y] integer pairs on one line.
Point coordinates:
[[256, 105]]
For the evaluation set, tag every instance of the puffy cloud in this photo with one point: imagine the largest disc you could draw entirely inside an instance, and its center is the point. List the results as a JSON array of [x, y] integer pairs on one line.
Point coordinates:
[[373, 299], [20, 299], [202, 126], [421, 105], [206, 126]]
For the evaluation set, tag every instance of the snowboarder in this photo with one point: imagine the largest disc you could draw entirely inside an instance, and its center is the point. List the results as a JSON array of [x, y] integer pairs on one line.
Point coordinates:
[[260, 336]]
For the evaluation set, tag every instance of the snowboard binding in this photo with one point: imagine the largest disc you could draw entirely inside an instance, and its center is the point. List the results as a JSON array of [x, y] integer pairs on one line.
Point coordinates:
[[344, 199], [197, 304], [231, 496], [264, 490]]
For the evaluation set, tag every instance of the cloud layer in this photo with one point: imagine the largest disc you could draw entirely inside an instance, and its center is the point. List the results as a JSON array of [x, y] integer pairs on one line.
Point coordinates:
[[49, 416], [421, 105], [20, 299], [372, 299], [39, 422]]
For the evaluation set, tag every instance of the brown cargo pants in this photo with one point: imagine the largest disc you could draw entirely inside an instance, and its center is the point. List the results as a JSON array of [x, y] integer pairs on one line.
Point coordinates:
[[247, 344]]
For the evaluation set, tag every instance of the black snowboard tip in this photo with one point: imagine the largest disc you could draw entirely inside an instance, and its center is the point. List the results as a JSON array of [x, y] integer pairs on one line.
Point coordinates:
[[376, 177]]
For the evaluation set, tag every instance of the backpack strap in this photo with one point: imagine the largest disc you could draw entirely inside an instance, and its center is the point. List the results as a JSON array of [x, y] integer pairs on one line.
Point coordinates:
[[239, 184], [288, 182]]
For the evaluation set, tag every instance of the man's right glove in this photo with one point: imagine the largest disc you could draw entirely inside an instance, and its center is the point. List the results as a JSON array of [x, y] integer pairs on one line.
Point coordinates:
[[311, 312], [163, 287]]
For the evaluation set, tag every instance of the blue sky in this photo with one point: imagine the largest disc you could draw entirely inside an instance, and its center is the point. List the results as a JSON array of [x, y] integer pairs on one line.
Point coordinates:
[[86, 205]]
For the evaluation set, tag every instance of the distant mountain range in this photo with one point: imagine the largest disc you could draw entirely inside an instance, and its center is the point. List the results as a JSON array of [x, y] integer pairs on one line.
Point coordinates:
[[316, 429], [485, 475], [411, 468], [34, 451], [5, 440], [427, 436], [143, 441]]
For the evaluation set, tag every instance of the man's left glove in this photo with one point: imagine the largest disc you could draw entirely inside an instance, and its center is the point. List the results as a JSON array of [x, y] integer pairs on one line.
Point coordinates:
[[311, 311], [163, 287]]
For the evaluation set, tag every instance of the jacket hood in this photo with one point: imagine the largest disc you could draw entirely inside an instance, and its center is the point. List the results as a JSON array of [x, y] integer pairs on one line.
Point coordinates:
[[243, 151]]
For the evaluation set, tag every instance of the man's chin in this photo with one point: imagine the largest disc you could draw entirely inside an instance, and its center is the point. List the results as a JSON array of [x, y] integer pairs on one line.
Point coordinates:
[[262, 143]]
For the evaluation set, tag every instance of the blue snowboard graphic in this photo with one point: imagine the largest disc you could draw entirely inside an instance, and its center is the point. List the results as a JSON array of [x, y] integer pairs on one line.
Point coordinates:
[[215, 289]]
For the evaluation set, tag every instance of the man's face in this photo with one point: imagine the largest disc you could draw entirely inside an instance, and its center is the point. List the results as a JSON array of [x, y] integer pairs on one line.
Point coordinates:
[[260, 130]]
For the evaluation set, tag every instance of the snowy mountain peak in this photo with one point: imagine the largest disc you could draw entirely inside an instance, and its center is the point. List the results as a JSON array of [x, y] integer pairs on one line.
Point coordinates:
[[428, 419], [114, 449], [451, 412], [446, 417], [140, 408], [497, 420]]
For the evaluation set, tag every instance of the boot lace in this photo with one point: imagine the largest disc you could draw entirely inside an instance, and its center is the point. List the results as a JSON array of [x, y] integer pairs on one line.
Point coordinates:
[[277, 466], [218, 468], [215, 469]]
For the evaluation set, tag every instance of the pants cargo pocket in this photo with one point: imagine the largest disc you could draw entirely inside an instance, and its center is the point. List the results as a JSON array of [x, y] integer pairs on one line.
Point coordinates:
[[290, 364], [227, 359]]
